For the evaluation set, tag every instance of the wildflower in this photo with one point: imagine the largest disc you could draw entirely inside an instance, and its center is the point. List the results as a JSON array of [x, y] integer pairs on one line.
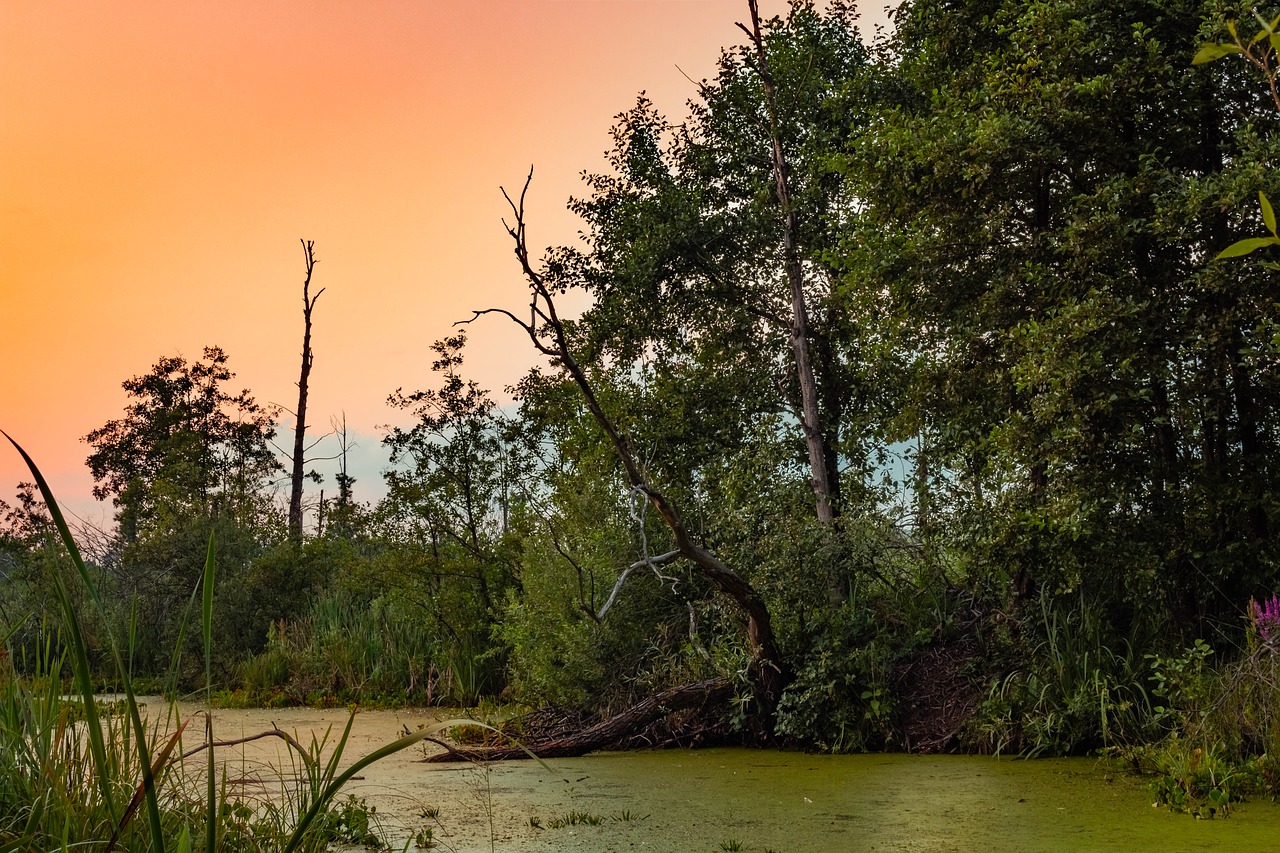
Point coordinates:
[[1266, 618]]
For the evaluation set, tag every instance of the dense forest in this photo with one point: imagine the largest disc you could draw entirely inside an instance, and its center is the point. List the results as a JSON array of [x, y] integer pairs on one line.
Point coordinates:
[[903, 404]]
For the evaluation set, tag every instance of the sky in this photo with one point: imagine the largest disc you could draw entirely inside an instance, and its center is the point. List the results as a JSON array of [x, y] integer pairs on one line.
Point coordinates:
[[161, 161]]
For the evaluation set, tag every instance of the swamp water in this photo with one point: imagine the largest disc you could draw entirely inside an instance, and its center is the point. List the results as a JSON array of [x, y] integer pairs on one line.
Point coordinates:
[[704, 800]]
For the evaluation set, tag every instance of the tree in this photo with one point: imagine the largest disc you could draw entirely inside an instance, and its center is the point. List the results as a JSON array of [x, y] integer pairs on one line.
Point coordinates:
[[186, 446], [801, 346], [712, 252], [187, 459], [298, 474], [449, 505], [549, 335], [1050, 183]]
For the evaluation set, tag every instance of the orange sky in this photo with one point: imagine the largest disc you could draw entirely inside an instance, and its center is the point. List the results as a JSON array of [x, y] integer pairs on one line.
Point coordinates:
[[159, 162]]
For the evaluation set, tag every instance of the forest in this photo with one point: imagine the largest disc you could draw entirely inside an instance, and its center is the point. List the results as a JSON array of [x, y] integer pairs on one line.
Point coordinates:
[[894, 397]]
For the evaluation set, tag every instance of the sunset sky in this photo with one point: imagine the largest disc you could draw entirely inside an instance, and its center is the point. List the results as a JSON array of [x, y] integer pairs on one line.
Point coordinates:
[[159, 163]]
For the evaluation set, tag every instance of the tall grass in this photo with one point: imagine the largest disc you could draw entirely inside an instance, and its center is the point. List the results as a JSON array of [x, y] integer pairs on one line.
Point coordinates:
[[72, 775], [1080, 687], [347, 650]]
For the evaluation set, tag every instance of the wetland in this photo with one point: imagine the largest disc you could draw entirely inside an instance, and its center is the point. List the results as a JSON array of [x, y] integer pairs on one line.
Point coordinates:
[[712, 799]]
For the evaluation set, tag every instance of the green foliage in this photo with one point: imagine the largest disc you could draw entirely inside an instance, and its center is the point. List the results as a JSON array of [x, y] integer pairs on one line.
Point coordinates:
[[840, 700], [1049, 180], [1194, 781], [65, 783], [1223, 729], [353, 822], [1071, 685], [575, 818], [1185, 683], [186, 446], [345, 650]]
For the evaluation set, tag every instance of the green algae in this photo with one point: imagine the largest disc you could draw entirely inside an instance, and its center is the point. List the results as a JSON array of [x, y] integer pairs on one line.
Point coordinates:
[[795, 803]]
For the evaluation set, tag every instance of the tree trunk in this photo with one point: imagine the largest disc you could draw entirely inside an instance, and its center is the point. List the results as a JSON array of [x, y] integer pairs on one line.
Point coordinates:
[[811, 418], [605, 733], [300, 427]]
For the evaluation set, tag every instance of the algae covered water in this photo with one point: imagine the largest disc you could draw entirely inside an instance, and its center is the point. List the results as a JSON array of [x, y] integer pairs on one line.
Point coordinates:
[[710, 800], [714, 799]]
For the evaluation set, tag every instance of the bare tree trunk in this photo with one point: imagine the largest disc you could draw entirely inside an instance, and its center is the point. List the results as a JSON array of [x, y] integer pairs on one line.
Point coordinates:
[[811, 419], [547, 333], [300, 427]]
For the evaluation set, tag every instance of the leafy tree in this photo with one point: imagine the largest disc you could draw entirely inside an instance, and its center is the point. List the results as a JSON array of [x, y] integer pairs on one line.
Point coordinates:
[[187, 459], [720, 289], [449, 506], [1050, 183], [185, 447]]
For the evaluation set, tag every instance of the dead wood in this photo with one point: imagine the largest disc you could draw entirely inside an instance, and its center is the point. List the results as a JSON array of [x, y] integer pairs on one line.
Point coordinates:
[[603, 734], [272, 732]]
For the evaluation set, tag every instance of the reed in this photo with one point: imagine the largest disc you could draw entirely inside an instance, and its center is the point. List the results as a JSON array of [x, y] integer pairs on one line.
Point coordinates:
[[76, 773]]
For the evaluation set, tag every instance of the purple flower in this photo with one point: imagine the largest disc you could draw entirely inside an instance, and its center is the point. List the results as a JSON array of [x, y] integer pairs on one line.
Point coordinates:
[[1266, 617]]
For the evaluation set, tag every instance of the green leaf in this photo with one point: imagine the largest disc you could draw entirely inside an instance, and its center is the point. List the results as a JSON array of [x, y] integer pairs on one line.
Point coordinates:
[[1245, 246], [1213, 50], [1268, 214]]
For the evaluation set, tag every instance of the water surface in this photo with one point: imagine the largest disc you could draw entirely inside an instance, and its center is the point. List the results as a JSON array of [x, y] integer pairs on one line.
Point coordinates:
[[699, 800]]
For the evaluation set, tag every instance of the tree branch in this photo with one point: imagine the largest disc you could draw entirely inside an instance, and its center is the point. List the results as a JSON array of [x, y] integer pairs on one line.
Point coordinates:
[[549, 337]]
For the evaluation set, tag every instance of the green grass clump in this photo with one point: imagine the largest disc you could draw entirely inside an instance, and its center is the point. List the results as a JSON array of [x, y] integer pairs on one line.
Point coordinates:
[[575, 818]]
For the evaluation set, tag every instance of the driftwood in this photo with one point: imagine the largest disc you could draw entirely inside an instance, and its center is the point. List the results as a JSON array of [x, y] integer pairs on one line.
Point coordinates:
[[603, 734]]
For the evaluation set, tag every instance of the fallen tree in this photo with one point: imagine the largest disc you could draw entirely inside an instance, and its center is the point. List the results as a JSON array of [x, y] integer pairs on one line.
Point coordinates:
[[602, 735]]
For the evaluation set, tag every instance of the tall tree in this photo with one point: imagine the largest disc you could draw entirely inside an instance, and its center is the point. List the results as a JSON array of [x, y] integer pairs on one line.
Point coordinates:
[[801, 345], [1050, 181], [298, 474], [712, 255], [550, 335], [448, 493], [188, 458]]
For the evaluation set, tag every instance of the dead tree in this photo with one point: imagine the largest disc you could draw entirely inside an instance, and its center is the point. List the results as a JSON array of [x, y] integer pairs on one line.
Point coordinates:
[[547, 333], [810, 418], [300, 428]]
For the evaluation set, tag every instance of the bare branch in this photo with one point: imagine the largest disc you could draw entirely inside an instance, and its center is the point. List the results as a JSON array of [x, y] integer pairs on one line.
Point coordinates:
[[651, 562], [272, 732]]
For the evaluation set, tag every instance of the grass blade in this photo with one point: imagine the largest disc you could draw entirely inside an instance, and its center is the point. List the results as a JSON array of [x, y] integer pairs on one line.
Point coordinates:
[[80, 661], [206, 621], [335, 784], [80, 653], [140, 794]]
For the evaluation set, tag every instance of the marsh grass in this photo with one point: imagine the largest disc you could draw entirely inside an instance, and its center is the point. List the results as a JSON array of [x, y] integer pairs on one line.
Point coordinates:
[[343, 650], [72, 776], [1080, 688]]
